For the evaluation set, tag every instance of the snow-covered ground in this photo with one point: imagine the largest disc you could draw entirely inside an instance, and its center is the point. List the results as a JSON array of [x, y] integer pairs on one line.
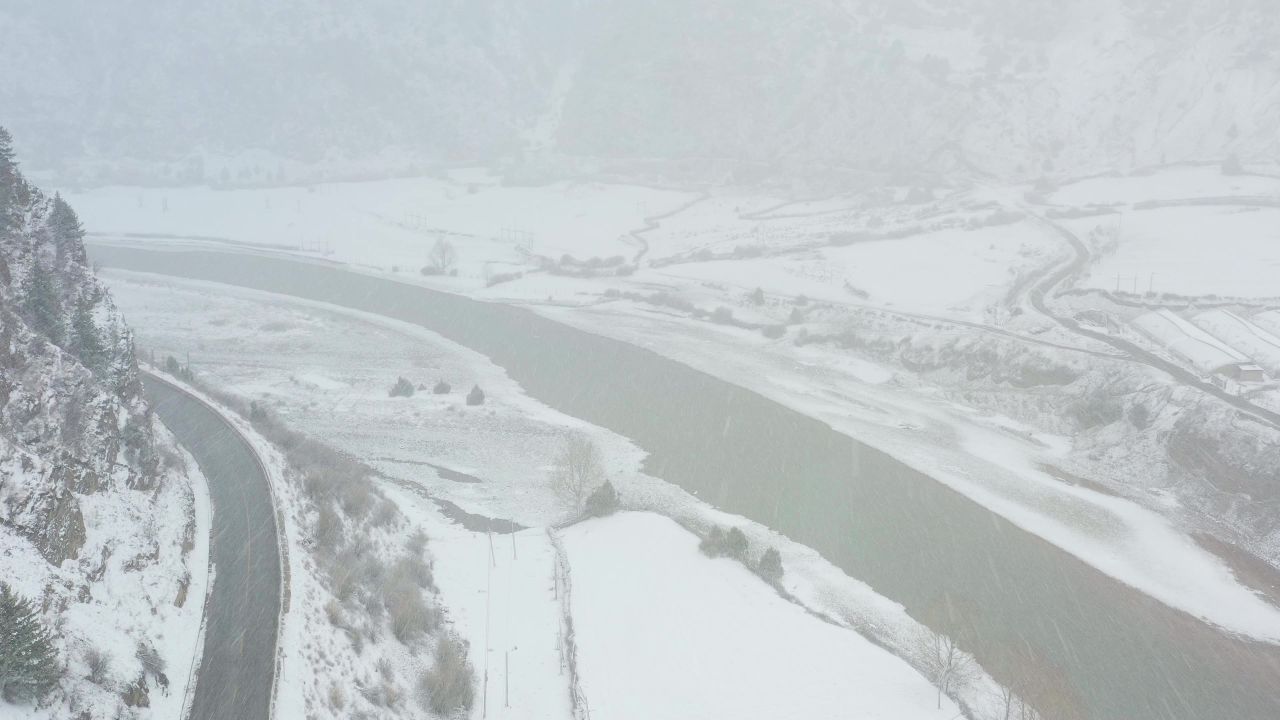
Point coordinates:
[[395, 223], [954, 272], [665, 632], [1175, 183], [1230, 251]]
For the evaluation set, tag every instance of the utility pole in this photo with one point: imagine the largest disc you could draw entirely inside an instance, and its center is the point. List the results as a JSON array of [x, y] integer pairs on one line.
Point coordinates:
[[488, 595]]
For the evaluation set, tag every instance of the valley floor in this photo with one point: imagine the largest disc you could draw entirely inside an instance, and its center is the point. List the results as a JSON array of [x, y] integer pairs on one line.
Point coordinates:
[[326, 371]]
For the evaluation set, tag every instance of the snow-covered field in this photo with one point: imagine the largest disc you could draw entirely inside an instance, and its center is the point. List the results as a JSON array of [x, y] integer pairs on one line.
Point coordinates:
[[953, 272], [666, 632], [394, 223], [1228, 251], [1175, 183]]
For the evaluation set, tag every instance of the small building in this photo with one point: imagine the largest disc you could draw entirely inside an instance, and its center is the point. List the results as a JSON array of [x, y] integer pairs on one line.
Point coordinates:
[[1244, 373], [1260, 345]]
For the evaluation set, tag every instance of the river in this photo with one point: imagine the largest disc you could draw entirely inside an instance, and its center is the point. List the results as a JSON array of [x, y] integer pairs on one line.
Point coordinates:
[[1122, 655]]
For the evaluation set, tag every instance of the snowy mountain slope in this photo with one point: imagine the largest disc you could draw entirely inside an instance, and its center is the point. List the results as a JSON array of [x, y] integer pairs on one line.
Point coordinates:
[[252, 92], [100, 520]]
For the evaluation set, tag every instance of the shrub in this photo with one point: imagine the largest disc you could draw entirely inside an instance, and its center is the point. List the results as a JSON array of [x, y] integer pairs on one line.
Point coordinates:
[[356, 497], [773, 332], [604, 501], [448, 688], [757, 296], [441, 388], [29, 666], [722, 315], [713, 544], [476, 396], [99, 665], [328, 528], [337, 698], [770, 566], [152, 663], [409, 614], [402, 388], [735, 544]]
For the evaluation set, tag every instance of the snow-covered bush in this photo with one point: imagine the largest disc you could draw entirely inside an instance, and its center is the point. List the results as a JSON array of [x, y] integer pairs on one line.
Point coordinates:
[[603, 501], [448, 687], [401, 388]]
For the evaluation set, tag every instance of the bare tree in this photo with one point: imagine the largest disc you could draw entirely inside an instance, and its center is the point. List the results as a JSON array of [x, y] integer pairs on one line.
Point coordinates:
[[948, 623], [442, 256], [578, 472], [949, 667]]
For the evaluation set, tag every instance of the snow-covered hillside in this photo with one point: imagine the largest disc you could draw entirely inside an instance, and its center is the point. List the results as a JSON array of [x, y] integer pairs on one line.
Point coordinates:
[[103, 520], [835, 89]]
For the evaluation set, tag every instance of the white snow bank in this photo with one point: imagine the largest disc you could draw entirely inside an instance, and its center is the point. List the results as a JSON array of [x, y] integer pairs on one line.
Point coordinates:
[[665, 632]]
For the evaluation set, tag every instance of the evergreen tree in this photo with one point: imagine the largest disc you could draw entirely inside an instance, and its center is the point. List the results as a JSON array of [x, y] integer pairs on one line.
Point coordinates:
[[770, 567], [42, 303], [29, 666], [603, 501], [735, 544], [86, 341], [713, 544], [476, 396], [402, 388], [68, 234], [10, 181]]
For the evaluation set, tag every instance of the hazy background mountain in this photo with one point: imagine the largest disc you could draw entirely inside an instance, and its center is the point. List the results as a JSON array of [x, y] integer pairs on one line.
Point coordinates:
[[249, 91]]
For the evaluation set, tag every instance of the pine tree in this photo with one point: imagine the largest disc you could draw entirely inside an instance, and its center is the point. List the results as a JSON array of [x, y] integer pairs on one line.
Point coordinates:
[[604, 501], [29, 666], [86, 341], [735, 544], [42, 302], [9, 183], [68, 234], [770, 567]]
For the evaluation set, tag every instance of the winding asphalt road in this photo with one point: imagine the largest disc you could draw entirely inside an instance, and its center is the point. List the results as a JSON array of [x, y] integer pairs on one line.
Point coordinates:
[[1042, 290], [237, 668]]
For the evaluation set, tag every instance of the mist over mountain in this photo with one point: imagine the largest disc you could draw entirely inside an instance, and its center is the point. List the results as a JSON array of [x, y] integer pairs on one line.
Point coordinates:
[[255, 92]]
